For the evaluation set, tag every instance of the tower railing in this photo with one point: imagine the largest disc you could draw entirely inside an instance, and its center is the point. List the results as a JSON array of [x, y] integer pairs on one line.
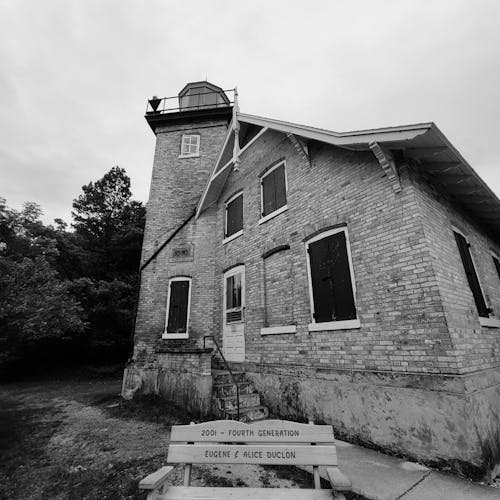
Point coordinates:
[[190, 102]]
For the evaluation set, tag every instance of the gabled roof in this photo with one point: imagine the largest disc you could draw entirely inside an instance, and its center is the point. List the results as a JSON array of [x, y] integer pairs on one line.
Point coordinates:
[[432, 154]]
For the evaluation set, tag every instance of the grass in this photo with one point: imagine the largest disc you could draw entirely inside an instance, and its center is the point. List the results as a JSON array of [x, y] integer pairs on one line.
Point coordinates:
[[64, 440]]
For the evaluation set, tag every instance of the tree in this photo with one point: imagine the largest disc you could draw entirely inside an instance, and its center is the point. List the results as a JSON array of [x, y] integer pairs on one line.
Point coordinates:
[[71, 291], [109, 226], [99, 211], [36, 309]]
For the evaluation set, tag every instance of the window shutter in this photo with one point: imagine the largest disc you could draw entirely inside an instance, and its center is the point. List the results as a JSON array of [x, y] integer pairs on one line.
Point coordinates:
[[331, 279], [280, 187], [497, 265], [268, 194], [470, 272], [234, 214], [178, 307]]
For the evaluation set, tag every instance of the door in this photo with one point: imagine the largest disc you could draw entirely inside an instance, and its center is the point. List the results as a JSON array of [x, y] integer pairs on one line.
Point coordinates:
[[233, 329]]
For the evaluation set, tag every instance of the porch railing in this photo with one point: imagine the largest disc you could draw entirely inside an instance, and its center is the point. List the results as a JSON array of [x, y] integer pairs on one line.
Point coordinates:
[[229, 371]]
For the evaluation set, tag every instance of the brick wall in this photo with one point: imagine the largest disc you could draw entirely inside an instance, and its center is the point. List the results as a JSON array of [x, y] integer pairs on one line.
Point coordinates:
[[403, 327], [176, 186], [473, 346], [278, 276]]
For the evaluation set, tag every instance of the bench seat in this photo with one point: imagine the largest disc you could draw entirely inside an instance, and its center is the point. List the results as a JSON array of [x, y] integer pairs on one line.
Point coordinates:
[[209, 493]]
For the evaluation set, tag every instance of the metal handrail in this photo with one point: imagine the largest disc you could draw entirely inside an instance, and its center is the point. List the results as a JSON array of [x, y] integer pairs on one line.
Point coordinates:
[[163, 103], [230, 373]]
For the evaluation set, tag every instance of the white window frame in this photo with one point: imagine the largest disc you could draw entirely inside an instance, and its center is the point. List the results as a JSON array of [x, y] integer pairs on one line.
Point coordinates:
[[165, 334], [228, 274], [489, 321], [332, 325], [197, 145], [278, 210], [238, 233]]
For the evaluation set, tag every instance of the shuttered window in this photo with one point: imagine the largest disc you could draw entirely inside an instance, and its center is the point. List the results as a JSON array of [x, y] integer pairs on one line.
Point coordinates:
[[497, 265], [273, 190], [331, 279], [470, 272], [178, 306], [234, 215]]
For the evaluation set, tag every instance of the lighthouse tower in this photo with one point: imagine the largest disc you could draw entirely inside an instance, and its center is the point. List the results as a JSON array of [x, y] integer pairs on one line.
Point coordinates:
[[190, 130]]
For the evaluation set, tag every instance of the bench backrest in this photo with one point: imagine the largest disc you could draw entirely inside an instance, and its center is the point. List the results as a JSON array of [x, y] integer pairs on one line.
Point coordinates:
[[273, 442]]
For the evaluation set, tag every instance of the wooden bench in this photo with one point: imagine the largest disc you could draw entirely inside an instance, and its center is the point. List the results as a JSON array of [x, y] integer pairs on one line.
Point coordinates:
[[271, 442]]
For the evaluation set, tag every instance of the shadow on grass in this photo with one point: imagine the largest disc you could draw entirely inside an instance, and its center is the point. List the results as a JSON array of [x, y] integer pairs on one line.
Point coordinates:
[[24, 433], [145, 408]]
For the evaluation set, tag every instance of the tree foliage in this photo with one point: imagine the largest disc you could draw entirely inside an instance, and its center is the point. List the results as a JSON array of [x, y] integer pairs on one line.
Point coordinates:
[[63, 288]]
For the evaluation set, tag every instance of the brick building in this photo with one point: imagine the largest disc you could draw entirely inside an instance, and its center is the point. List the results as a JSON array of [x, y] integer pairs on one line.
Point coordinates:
[[353, 277]]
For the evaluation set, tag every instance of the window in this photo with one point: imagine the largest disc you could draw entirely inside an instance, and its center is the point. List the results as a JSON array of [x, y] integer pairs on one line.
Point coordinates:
[[470, 272], [178, 302], [234, 217], [190, 146], [273, 192], [497, 264], [234, 283], [331, 282]]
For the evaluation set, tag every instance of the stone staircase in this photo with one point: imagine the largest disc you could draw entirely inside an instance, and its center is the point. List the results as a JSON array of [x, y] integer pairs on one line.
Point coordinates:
[[225, 393]]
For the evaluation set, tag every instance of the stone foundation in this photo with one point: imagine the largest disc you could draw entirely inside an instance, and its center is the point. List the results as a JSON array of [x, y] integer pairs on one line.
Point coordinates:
[[441, 420], [181, 376]]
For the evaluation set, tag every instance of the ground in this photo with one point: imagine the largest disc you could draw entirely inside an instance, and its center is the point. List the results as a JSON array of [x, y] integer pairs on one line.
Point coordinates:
[[75, 438]]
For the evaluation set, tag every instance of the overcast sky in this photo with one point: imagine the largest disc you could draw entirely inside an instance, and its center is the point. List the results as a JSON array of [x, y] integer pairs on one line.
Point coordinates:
[[75, 77]]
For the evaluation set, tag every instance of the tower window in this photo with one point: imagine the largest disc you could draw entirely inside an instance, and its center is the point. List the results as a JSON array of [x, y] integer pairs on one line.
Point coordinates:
[[190, 146], [273, 191]]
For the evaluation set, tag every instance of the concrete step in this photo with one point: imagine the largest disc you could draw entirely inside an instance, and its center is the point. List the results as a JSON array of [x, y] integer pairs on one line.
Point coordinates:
[[224, 390], [246, 401], [224, 377], [251, 414]]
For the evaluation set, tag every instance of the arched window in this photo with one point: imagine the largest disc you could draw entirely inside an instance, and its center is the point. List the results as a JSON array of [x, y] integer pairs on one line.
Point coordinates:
[[178, 305]]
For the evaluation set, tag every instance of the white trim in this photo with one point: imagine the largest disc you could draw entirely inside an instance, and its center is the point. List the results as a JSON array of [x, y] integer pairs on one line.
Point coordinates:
[[399, 133], [481, 288], [253, 139], [284, 208], [234, 270], [242, 150], [216, 172], [209, 182], [276, 330], [240, 232], [279, 210], [489, 322], [190, 155], [331, 325], [232, 237], [494, 254], [223, 169], [175, 335], [334, 325]]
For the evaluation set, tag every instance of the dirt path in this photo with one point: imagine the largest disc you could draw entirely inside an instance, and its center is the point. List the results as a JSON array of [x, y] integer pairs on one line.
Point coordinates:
[[75, 439]]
